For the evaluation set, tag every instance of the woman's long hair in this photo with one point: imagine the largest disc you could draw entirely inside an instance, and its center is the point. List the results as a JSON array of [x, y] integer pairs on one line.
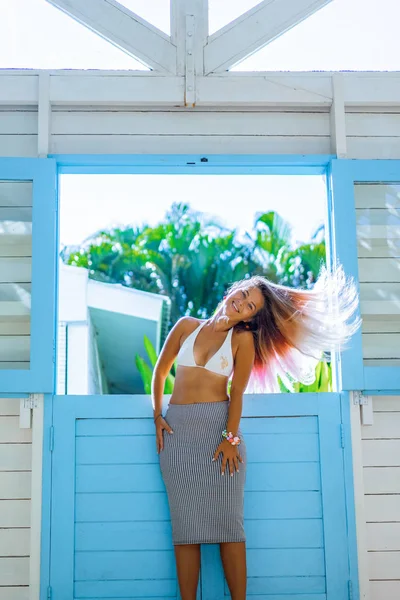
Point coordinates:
[[296, 328]]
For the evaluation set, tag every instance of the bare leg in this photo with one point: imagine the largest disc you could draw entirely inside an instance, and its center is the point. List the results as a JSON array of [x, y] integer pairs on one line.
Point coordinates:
[[188, 567], [233, 556]]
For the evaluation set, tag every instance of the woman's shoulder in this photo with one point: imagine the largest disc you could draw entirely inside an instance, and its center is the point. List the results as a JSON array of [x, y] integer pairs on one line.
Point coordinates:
[[188, 324], [244, 338]]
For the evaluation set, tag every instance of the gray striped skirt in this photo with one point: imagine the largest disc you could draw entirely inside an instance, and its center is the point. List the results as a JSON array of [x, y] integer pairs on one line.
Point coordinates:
[[205, 506]]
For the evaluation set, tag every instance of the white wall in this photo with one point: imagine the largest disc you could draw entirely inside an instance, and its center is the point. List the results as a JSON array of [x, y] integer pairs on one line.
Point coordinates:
[[353, 114], [77, 361], [373, 134], [378, 237], [15, 502], [117, 131], [381, 480], [15, 273]]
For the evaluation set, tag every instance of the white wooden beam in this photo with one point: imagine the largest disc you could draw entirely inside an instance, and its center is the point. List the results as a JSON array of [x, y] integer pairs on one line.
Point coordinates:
[[361, 91], [338, 118], [254, 29], [118, 90], [180, 11], [124, 29], [44, 115], [189, 31], [269, 90]]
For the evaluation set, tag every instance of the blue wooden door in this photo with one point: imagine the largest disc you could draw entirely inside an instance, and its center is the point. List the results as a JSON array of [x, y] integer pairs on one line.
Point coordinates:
[[110, 530], [295, 506]]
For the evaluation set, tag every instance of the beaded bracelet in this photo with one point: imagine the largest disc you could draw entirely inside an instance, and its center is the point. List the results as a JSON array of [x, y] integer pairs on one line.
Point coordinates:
[[234, 440], [160, 415]]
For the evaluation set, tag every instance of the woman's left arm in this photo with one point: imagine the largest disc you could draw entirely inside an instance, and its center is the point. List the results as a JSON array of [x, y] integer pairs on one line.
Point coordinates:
[[244, 361]]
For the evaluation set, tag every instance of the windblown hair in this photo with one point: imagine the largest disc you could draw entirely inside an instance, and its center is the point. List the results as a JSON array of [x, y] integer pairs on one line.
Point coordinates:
[[296, 328]]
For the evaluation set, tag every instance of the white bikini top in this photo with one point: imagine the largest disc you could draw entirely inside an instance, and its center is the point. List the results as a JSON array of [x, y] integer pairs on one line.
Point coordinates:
[[220, 363]]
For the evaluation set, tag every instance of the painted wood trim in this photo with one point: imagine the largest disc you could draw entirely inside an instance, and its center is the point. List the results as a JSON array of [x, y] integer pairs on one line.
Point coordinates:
[[344, 243], [381, 378], [274, 164], [36, 499], [338, 118], [364, 91], [63, 497], [359, 491], [44, 115], [333, 496], [46, 492], [40, 376]]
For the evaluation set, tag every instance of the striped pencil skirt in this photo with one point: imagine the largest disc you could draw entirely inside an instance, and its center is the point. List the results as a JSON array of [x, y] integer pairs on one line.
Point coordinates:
[[205, 506]]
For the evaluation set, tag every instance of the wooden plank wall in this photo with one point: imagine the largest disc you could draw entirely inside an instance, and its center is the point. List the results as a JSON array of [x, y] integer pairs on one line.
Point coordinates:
[[15, 502], [118, 131], [15, 273], [115, 130], [381, 470], [19, 131], [378, 226], [373, 133]]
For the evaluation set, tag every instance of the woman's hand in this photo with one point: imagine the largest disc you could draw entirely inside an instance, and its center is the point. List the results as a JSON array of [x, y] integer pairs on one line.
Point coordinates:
[[230, 456], [161, 424]]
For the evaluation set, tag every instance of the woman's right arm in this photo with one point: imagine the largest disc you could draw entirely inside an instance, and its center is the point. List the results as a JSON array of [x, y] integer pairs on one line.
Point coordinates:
[[162, 368]]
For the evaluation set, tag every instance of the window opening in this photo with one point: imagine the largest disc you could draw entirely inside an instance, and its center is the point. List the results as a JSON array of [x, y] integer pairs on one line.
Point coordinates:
[[139, 251]]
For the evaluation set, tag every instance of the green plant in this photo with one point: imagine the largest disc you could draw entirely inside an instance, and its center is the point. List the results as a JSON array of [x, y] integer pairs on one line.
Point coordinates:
[[146, 371], [322, 383], [191, 258]]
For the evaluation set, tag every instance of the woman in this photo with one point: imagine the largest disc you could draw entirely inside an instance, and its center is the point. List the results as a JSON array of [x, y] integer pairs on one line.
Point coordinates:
[[259, 331]]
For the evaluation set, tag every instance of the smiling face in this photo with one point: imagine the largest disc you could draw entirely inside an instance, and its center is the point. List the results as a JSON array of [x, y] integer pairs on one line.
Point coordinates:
[[243, 304]]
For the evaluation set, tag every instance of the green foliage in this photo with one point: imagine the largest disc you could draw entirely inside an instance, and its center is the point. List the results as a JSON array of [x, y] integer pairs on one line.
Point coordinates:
[[322, 383], [146, 372], [191, 258]]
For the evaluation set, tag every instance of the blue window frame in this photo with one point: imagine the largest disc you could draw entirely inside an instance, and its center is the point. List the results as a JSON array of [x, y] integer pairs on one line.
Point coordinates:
[[214, 164], [357, 373], [343, 175], [28, 260]]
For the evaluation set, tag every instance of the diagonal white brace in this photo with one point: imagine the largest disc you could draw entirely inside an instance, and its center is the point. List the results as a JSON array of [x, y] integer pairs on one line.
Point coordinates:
[[253, 30], [125, 29]]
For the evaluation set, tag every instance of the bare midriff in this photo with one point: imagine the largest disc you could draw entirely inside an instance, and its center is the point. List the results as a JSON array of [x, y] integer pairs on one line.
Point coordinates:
[[197, 384]]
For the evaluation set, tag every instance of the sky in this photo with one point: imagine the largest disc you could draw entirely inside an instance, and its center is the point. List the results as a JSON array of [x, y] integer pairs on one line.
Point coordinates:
[[234, 198], [344, 35]]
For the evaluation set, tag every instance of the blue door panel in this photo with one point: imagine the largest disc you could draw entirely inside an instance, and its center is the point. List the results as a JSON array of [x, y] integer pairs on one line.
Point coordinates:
[[295, 517], [110, 532]]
